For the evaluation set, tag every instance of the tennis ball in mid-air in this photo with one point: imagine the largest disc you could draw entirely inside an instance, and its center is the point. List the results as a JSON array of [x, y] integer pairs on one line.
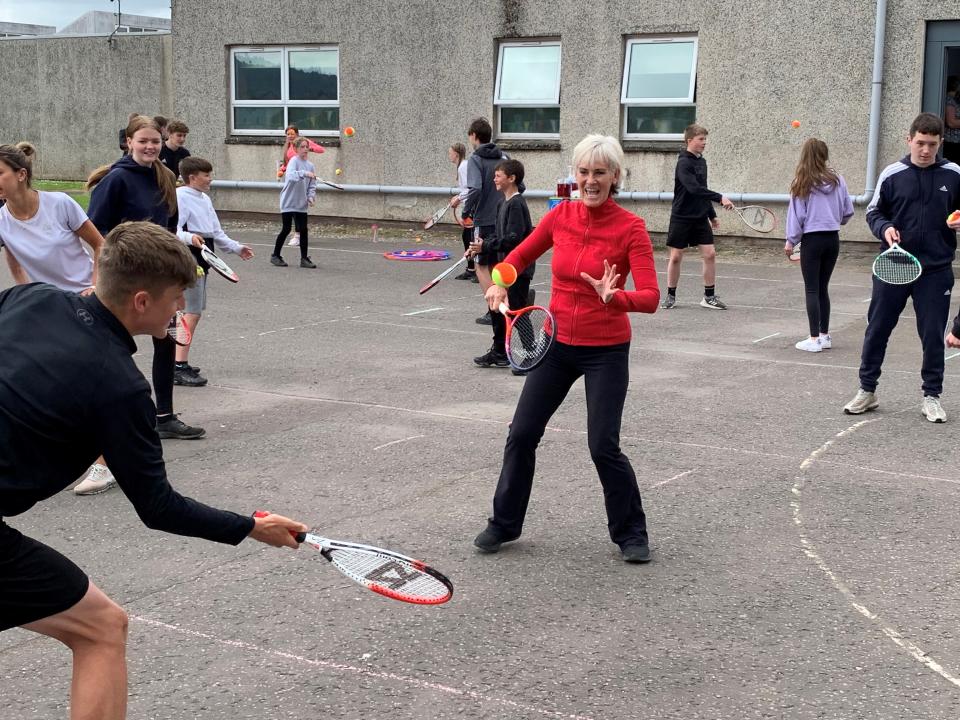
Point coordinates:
[[954, 216], [504, 274], [795, 124], [338, 171], [349, 131]]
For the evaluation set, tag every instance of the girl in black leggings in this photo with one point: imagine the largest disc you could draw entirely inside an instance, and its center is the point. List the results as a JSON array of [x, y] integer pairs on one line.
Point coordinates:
[[819, 205]]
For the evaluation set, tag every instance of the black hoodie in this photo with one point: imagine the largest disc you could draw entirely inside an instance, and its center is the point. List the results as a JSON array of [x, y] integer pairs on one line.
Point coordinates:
[[129, 192]]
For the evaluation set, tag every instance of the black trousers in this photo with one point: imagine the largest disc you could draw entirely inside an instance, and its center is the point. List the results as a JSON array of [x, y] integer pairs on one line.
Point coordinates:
[[164, 358], [818, 258], [516, 299], [606, 376], [467, 236], [299, 220], [931, 304]]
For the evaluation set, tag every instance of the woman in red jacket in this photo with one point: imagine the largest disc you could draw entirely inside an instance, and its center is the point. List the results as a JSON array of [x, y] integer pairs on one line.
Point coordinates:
[[595, 244]]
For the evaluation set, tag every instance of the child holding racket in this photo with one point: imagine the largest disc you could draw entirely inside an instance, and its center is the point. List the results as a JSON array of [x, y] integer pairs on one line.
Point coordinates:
[[292, 133], [198, 221], [693, 219], [57, 422], [819, 205], [458, 156], [298, 193], [595, 244], [513, 225], [913, 198]]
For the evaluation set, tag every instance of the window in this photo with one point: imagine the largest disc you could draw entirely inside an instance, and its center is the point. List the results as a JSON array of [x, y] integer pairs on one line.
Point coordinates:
[[272, 88], [659, 87], [528, 89]]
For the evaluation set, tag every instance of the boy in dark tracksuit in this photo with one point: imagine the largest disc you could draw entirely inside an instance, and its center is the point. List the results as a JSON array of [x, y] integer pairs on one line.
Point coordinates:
[[910, 206], [513, 226]]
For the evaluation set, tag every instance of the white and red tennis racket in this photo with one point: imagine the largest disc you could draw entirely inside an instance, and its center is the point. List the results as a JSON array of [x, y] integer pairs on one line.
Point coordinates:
[[530, 333], [384, 572], [757, 217], [222, 269], [436, 217], [178, 330], [795, 253], [444, 274]]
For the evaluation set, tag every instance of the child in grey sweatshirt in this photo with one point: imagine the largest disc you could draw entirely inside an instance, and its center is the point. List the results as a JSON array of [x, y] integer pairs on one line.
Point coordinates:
[[298, 193]]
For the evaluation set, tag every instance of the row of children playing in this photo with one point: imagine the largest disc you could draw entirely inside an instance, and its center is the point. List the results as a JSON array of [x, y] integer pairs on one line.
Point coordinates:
[[43, 234]]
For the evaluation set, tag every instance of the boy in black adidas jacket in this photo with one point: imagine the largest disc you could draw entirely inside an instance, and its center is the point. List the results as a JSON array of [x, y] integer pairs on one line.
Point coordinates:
[[910, 206]]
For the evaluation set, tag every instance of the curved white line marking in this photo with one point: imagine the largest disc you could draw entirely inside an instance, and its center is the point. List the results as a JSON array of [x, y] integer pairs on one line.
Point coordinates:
[[330, 665], [914, 650]]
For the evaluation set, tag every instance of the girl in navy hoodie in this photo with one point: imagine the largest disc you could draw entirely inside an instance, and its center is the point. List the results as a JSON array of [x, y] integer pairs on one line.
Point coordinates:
[[139, 187]]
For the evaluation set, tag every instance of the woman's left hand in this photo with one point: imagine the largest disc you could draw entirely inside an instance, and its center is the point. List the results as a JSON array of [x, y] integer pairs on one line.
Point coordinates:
[[606, 286]]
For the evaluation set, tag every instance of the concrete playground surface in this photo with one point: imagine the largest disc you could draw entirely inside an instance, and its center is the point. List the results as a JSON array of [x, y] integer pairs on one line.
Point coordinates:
[[805, 562]]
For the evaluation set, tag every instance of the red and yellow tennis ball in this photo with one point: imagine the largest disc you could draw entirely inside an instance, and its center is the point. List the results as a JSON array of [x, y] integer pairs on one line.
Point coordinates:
[[504, 274], [954, 216], [795, 124], [349, 131]]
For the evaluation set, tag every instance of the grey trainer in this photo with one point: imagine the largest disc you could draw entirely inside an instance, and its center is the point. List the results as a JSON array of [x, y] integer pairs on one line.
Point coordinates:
[[861, 403], [932, 410]]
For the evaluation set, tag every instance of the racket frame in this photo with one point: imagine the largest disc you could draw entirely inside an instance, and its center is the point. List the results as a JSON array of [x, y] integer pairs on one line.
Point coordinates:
[[334, 185], [175, 322], [214, 261], [511, 317], [436, 217], [443, 275], [795, 253], [766, 212], [895, 249]]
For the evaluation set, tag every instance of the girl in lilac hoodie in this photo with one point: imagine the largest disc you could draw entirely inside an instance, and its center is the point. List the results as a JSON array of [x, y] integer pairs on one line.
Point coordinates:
[[819, 205]]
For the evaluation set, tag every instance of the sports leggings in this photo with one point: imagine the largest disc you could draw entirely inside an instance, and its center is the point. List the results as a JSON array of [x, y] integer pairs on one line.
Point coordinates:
[[299, 220], [606, 375], [164, 356], [818, 258]]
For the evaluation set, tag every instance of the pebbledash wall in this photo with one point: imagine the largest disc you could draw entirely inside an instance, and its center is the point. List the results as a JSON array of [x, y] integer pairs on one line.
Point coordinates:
[[411, 76]]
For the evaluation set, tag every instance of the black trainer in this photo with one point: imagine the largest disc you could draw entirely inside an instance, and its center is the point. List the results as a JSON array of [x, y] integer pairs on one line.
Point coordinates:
[[306, 262], [489, 541], [278, 261], [173, 428], [188, 377], [466, 275], [474, 278], [485, 319], [492, 358], [636, 553]]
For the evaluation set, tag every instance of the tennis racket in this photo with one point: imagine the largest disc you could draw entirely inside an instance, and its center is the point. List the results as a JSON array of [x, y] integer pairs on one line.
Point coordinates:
[[178, 330], [795, 254], [756, 217], [530, 332], [330, 184], [436, 217], [444, 274], [384, 572], [895, 266], [219, 265]]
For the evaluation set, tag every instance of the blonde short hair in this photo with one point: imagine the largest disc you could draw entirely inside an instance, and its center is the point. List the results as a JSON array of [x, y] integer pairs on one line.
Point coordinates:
[[600, 147]]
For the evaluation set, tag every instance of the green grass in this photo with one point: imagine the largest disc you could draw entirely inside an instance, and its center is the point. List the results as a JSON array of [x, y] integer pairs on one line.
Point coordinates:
[[72, 188]]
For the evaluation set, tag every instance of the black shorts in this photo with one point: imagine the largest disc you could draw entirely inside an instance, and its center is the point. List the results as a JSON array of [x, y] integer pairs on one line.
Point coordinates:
[[688, 233], [35, 580]]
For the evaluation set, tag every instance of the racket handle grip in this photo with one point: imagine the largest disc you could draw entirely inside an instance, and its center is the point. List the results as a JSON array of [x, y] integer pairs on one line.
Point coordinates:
[[503, 308], [298, 536]]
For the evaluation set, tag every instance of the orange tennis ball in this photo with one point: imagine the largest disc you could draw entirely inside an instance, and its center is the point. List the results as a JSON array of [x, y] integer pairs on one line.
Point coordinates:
[[954, 216], [504, 274], [349, 131], [795, 123]]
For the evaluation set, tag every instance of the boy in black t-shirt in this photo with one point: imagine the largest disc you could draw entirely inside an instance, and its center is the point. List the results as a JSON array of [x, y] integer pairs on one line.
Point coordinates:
[[172, 151]]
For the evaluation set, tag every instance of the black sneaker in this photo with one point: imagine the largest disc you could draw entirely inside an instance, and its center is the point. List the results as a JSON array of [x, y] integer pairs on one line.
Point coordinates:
[[489, 541], [466, 275], [474, 278], [636, 553], [173, 428], [278, 261], [188, 377], [484, 319], [492, 358], [519, 373], [306, 262]]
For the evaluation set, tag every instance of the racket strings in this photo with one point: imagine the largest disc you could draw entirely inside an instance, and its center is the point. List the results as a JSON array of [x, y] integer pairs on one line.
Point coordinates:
[[896, 268], [530, 337], [391, 576]]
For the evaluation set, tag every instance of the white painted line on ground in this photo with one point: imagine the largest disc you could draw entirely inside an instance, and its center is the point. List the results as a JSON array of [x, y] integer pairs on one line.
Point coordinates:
[[675, 477], [950, 357], [766, 337], [396, 442], [421, 327], [915, 651], [421, 312], [376, 674]]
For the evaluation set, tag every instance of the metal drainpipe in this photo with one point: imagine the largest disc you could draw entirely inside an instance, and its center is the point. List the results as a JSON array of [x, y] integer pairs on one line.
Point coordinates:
[[873, 144]]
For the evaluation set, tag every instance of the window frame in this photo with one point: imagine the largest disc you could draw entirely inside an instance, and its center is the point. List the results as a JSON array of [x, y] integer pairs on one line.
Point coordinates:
[[689, 100], [536, 103], [284, 100]]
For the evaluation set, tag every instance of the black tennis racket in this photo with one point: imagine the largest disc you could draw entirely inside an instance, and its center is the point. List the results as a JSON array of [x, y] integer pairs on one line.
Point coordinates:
[[895, 266], [219, 265], [384, 572], [178, 330], [530, 333]]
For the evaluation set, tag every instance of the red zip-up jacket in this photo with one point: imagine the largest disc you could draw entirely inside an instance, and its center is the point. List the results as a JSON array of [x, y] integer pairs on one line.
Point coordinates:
[[582, 239]]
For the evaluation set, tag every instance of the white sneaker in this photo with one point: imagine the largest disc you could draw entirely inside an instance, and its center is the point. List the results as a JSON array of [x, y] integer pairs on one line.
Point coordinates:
[[97, 481], [809, 345], [862, 402], [826, 342], [932, 410], [294, 240]]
